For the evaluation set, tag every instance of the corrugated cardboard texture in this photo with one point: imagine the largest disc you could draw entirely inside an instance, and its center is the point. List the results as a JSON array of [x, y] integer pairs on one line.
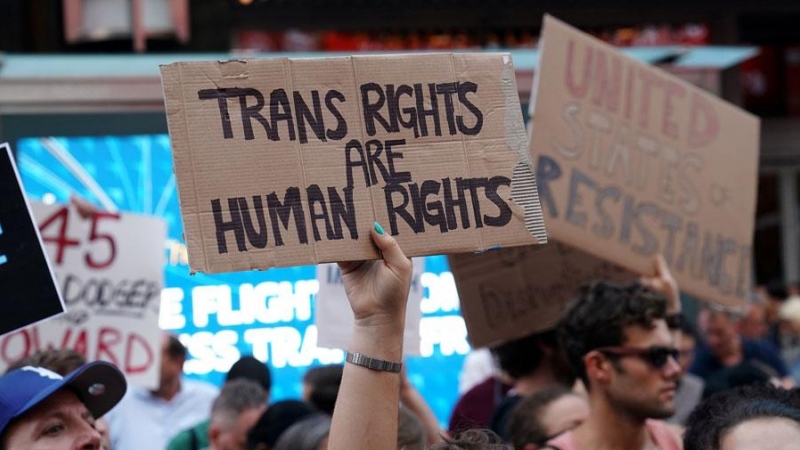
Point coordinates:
[[510, 293], [288, 162], [632, 161]]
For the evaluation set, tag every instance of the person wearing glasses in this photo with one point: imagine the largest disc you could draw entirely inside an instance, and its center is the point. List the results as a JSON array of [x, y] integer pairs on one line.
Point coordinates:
[[619, 342]]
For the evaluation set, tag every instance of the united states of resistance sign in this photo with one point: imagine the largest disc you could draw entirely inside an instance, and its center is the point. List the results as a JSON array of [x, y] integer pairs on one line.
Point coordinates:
[[632, 161], [286, 162]]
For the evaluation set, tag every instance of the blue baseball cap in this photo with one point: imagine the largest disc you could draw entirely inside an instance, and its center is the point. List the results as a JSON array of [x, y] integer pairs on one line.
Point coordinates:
[[99, 385]]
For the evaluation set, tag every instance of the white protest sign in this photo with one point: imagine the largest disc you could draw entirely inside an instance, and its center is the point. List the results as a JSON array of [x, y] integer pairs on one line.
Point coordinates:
[[109, 268], [334, 318]]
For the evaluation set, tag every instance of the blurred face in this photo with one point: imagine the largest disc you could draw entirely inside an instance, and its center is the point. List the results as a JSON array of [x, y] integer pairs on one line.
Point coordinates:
[[636, 385], [564, 414], [234, 436], [686, 347], [762, 434], [754, 324], [61, 422], [720, 334], [171, 368]]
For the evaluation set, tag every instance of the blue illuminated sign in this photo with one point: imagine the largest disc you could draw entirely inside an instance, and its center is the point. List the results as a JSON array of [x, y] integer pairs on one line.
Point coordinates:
[[221, 317]]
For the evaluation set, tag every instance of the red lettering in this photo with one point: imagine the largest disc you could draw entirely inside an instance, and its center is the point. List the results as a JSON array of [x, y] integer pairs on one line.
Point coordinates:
[[80, 345], [607, 86], [671, 90], [9, 343], [577, 90], [130, 368], [703, 122], [106, 341]]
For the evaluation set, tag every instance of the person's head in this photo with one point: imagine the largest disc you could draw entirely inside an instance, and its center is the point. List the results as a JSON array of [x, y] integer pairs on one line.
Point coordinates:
[[62, 362], [544, 415], [173, 356], [524, 357], [776, 295], [618, 340], [686, 345], [721, 331], [321, 387], [308, 434], [410, 434], [753, 325], [275, 420], [41, 410], [234, 412], [250, 368], [473, 440], [745, 418], [790, 314]]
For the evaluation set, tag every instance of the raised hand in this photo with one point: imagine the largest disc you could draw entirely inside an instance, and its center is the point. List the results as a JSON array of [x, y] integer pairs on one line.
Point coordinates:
[[378, 290]]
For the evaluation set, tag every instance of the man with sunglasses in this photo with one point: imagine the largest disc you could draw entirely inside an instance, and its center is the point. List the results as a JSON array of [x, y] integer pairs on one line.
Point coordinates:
[[619, 343]]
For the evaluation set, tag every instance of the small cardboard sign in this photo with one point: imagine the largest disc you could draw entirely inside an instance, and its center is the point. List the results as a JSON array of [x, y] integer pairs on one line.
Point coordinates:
[[110, 269], [510, 293], [632, 161], [28, 289], [288, 162], [334, 318]]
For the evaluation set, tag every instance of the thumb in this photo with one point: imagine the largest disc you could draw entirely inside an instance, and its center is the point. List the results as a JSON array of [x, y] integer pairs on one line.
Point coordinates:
[[661, 265], [391, 251]]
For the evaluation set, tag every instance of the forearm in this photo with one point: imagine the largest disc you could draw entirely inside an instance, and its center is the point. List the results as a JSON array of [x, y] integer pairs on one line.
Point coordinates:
[[365, 417]]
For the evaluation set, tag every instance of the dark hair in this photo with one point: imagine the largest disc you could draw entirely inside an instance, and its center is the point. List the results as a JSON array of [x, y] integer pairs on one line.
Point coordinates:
[[524, 425], [473, 440], [324, 382], [250, 368], [723, 411], [306, 434], [236, 397], [275, 420], [175, 349], [62, 362], [523, 356], [410, 434], [599, 314], [777, 290]]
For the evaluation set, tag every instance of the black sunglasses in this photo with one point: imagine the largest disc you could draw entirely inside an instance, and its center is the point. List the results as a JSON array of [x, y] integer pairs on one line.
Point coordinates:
[[656, 356]]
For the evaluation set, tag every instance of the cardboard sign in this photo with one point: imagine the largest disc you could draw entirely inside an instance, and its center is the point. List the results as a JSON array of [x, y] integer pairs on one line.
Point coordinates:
[[632, 161], [334, 318], [110, 269], [287, 162], [28, 289], [510, 293]]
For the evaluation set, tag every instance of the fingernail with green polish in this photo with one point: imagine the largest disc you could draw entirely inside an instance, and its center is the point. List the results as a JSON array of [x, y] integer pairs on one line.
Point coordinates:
[[378, 228]]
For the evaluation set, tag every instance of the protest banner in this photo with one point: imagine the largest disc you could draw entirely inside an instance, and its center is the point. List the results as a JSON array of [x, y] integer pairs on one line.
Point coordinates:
[[510, 293], [631, 161], [334, 317], [28, 289], [289, 161], [110, 269]]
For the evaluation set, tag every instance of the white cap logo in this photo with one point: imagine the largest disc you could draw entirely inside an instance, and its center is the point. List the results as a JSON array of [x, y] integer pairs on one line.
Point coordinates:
[[44, 372]]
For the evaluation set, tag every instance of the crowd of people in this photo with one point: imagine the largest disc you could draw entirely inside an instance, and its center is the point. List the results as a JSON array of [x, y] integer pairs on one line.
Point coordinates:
[[624, 369]]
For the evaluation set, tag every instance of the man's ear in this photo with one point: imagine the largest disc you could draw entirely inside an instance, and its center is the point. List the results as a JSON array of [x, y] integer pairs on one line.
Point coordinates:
[[214, 432], [598, 368]]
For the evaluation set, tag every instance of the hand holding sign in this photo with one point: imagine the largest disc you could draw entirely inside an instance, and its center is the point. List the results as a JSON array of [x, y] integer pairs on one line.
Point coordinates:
[[378, 290], [664, 283]]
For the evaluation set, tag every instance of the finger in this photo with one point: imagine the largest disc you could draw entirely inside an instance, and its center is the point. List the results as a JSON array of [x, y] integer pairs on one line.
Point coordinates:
[[661, 265], [392, 253], [349, 266]]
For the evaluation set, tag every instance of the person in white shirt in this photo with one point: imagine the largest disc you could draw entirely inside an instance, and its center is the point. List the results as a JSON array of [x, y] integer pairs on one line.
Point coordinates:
[[149, 419]]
